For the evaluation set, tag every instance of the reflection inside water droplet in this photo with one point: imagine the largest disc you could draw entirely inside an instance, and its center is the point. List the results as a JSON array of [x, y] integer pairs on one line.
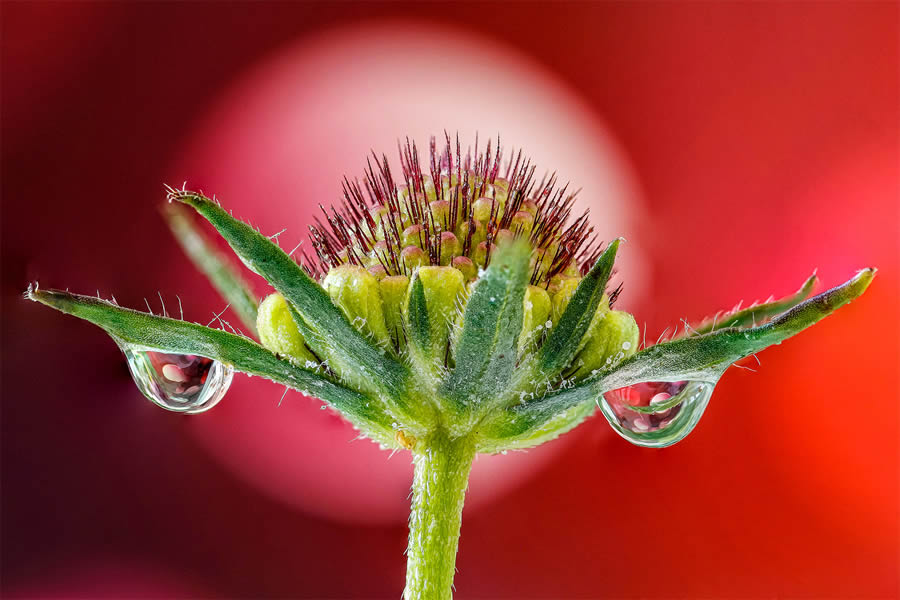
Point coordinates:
[[656, 414], [183, 383]]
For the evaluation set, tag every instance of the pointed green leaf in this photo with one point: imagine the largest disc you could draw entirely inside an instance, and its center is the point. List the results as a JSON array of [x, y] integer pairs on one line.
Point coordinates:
[[417, 318], [209, 261], [695, 358], [492, 322], [332, 337], [150, 332], [705, 357], [563, 342]]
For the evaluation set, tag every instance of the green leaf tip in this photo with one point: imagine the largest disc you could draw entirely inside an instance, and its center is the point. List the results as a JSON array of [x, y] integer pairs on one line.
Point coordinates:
[[695, 358], [140, 330], [355, 357], [565, 338], [209, 261]]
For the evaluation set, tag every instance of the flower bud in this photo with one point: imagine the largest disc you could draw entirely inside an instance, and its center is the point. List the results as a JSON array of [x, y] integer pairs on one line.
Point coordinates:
[[440, 212], [530, 206], [478, 233], [483, 209], [430, 191], [378, 271], [522, 221], [466, 267], [277, 331], [413, 257], [534, 319], [444, 288], [609, 340], [481, 252], [356, 292], [413, 236], [450, 247], [393, 295], [563, 290]]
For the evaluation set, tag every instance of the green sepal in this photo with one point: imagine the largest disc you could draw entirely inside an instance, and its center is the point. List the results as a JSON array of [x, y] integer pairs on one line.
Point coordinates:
[[149, 332], [418, 326], [393, 291], [486, 350], [209, 261], [431, 316], [565, 339], [696, 358], [330, 334]]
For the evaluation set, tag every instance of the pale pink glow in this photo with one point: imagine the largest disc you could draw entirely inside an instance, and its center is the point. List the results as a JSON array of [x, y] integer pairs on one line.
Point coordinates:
[[112, 579], [279, 143]]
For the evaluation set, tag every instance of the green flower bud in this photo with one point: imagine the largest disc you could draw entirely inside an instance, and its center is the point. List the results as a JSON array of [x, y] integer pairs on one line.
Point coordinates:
[[535, 317], [450, 247], [356, 292], [393, 295], [430, 191], [378, 271], [478, 233], [482, 209], [497, 192], [522, 221], [413, 236], [504, 236], [466, 267], [530, 206], [563, 289], [444, 289], [440, 212], [610, 339], [480, 253], [278, 332], [413, 257]]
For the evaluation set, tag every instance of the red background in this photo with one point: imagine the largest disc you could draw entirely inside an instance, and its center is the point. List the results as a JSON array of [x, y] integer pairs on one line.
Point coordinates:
[[765, 140]]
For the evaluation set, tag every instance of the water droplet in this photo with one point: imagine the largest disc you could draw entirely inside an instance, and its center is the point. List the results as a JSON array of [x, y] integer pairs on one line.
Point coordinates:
[[663, 413], [183, 383]]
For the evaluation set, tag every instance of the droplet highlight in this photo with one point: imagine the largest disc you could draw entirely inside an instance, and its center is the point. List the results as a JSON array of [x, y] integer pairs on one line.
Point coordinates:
[[184, 383], [656, 414]]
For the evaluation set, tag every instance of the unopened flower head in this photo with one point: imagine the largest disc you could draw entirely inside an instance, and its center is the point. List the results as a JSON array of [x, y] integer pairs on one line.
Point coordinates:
[[439, 225]]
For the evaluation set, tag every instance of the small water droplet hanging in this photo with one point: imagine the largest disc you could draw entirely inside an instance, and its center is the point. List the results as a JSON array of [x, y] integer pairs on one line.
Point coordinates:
[[184, 383], [656, 414]]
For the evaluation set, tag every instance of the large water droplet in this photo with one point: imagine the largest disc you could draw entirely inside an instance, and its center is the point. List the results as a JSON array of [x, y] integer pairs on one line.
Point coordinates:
[[183, 383], [656, 414]]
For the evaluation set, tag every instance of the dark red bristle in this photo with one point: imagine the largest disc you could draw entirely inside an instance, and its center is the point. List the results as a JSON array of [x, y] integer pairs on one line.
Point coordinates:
[[349, 232]]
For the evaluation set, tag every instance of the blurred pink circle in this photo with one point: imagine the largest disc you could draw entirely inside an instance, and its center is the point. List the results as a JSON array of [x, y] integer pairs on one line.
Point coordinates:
[[279, 143]]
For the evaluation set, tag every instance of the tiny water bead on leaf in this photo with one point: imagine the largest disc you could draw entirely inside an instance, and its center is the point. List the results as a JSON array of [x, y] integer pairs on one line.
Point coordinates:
[[183, 383], [449, 311]]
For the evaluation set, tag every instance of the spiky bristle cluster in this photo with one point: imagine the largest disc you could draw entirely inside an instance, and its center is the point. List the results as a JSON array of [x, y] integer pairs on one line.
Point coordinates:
[[452, 212]]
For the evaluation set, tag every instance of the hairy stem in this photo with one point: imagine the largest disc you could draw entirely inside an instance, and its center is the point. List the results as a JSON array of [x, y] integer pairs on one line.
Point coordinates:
[[442, 467]]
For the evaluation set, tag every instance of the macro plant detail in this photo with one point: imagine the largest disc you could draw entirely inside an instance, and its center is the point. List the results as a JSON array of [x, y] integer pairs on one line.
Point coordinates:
[[447, 310]]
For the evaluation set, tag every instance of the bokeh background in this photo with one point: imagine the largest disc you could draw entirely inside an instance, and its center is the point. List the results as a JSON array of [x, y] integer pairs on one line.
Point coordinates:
[[737, 145]]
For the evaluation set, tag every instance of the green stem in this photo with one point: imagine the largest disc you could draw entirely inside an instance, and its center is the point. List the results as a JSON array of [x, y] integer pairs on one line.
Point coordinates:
[[442, 468]]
